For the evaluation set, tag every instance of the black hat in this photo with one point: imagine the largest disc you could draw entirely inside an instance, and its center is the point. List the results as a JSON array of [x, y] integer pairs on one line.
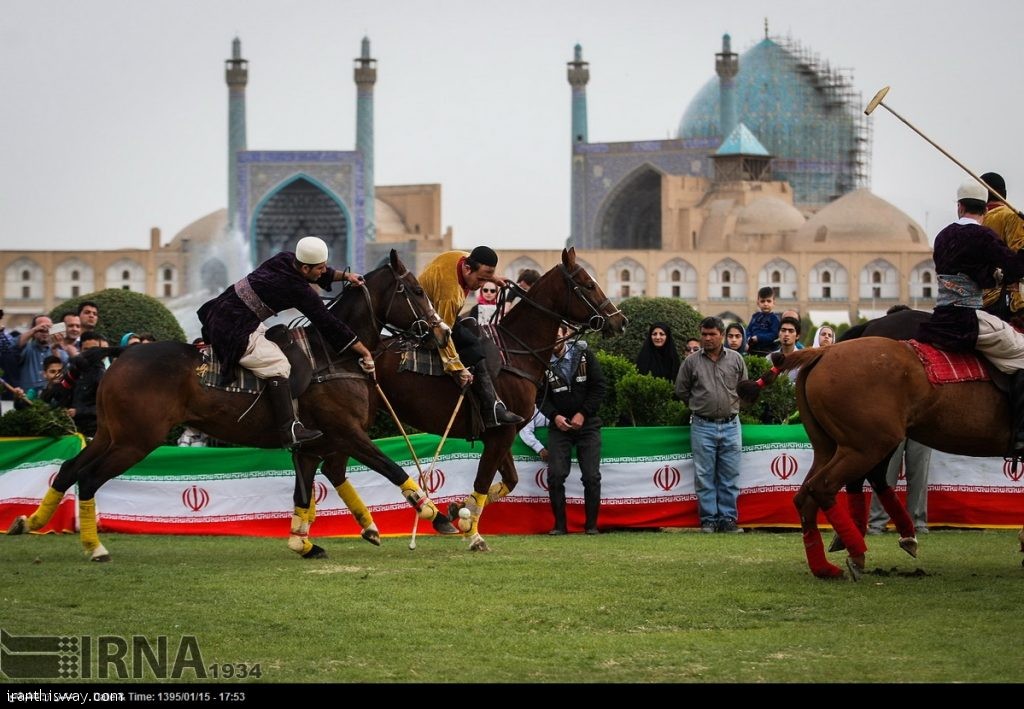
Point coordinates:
[[484, 255], [996, 182]]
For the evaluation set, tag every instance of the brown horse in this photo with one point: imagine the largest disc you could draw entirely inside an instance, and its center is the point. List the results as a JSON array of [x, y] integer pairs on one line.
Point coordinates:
[[527, 332], [150, 389], [895, 400]]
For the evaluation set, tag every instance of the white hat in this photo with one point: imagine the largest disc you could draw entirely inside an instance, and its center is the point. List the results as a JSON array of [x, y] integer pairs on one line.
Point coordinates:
[[972, 190], [311, 250]]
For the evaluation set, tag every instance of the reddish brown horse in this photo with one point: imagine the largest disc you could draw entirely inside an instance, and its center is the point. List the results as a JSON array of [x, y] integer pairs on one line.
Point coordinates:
[[528, 332], [894, 400], [149, 389]]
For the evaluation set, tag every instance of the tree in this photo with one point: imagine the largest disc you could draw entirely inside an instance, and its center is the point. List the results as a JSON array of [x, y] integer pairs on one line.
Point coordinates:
[[124, 311], [642, 313]]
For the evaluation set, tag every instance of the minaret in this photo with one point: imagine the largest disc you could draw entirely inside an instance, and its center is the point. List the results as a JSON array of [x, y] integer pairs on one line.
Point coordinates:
[[579, 75], [236, 73], [727, 65], [366, 76]]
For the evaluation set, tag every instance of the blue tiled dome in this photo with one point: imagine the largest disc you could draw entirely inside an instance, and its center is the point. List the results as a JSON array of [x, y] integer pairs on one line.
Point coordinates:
[[796, 109]]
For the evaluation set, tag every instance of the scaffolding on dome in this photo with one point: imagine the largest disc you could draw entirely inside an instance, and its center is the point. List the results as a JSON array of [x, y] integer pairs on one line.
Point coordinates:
[[837, 89]]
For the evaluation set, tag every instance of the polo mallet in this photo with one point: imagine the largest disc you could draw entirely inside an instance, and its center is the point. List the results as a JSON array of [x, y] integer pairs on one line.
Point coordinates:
[[13, 389], [877, 101], [440, 444], [415, 459]]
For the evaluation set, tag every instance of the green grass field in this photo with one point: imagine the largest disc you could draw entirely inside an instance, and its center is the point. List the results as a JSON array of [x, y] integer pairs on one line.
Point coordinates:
[[673, 606]]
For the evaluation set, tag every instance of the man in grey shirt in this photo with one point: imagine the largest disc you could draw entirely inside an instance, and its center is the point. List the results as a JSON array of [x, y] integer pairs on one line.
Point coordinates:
[[706, 383]]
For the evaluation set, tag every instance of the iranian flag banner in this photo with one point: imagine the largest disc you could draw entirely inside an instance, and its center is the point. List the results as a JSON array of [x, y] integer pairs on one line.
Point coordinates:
[[647, 481]]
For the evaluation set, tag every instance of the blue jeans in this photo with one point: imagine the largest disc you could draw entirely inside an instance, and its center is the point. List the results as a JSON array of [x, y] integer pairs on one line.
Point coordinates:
[[716, 451]]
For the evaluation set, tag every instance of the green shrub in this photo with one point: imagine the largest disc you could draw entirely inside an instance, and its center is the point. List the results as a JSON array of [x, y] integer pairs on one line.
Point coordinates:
[[776, 403], [642, 313], [37, 419], [647, 401], [124, 311], [614, 368]]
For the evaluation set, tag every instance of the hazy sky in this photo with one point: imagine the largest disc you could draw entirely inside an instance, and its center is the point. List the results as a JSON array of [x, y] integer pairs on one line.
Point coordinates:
[[114, 112]]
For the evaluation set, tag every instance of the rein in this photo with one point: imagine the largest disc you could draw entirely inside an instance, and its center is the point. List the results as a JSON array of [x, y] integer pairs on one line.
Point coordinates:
[[595, 323], [419, 329]]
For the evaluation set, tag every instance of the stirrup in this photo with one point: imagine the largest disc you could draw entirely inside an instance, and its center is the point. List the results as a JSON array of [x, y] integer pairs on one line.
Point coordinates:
[[297, 434], [501, 416]]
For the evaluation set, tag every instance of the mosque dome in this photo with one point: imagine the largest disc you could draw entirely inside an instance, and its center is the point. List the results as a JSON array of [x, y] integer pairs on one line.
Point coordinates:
[[388, 220], [861, 221], [768, 215], [804, 113], [205, 230]]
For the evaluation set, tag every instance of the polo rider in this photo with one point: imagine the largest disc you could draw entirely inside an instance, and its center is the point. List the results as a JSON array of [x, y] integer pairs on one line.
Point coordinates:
[[447, 280], [968, 258], [233, 323]]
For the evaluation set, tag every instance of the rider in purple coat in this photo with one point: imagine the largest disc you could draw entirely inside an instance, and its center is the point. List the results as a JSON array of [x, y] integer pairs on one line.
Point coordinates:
[[233, 324]]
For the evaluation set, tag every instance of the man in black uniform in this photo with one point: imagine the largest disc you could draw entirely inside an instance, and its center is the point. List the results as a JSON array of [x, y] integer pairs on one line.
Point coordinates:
[[571, 396]]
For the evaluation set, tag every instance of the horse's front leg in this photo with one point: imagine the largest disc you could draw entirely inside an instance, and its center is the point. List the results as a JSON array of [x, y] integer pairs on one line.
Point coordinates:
[[335, 468], [305, 507]]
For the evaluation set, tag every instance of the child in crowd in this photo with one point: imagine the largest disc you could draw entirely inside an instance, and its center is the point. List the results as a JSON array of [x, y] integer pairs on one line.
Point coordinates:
[[52, 367], [763, 329]]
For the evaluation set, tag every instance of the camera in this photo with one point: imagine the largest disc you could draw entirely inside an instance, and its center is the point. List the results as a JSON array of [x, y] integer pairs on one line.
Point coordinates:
[[58, 328]]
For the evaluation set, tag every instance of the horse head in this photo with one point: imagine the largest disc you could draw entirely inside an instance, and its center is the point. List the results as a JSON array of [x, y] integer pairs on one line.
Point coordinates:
[[400, 306], [588, 307]]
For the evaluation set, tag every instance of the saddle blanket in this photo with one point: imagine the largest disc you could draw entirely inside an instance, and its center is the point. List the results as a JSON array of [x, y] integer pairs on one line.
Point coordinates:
[[949, 367], [245, 381]]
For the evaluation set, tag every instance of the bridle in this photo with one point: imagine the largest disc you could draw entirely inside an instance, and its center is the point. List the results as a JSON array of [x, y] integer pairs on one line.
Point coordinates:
[[423, 322], [595, 323], [424, 319]]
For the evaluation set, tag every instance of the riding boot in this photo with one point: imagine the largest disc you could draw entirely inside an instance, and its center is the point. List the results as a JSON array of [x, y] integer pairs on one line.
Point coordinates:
[[293, 433], [591, 506], [491, 407], [1017, 409], [558, 508]]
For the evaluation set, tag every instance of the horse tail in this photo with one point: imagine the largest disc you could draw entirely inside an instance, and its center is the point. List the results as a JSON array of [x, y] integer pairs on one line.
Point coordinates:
[[749, 391]]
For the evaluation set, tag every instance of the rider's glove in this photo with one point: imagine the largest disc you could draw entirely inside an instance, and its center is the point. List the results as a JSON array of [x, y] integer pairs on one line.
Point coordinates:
[[368, 366]]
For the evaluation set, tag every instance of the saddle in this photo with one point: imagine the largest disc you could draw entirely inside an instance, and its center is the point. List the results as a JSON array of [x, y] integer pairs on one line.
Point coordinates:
[[944, 367], [422, 360], [293, 344]]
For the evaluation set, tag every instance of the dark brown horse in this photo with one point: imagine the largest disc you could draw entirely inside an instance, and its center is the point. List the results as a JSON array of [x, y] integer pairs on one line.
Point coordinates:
[[150, 389], [895, 400], [528, 332]]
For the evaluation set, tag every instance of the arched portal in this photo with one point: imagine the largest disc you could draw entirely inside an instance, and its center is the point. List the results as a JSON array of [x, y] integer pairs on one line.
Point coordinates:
[[300, 208], [632, 217]]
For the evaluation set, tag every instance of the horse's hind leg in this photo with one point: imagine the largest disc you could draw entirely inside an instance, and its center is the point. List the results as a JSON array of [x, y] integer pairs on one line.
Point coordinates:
[[305, 508], [335, 468], [67, 476], [116, 460]]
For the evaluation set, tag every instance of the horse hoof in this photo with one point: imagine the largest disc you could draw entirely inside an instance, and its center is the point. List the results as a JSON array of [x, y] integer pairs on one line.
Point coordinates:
[[479, 544], [443, 525], [372, 536], [317, 552], [100, 558], [909, 545], [829, 571], [836, 544], [856, 570], [18, 526]]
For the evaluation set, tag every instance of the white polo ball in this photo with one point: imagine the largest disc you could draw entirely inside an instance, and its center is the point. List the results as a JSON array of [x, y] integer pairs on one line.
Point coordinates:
[[464, 513]]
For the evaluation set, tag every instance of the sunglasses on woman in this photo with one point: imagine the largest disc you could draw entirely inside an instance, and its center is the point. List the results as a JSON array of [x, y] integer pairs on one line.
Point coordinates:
[[488, 290]]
